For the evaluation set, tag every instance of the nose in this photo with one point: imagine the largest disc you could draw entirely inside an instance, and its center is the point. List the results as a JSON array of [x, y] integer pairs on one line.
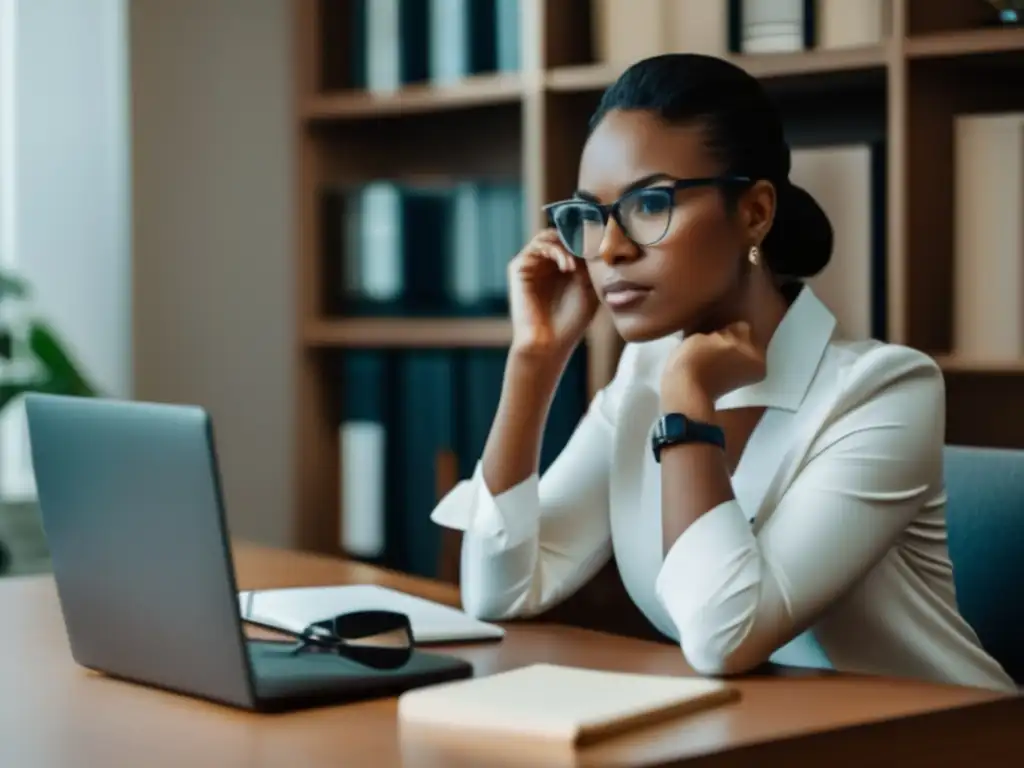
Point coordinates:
[[615, 247]]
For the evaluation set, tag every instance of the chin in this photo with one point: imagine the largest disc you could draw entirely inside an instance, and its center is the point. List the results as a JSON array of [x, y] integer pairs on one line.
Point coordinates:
[[636, 328]]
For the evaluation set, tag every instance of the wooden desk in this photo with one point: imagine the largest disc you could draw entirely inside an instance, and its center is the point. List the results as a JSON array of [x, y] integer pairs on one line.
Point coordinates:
[[53, 713]]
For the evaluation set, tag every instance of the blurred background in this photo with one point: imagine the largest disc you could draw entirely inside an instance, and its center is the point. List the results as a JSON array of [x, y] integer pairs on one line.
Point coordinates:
[[297, 213]]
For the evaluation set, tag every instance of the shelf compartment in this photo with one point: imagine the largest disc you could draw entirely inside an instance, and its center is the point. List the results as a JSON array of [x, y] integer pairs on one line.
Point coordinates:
[[406, 332], [567, 39], [980, 409], [940, 89], [435, 152], [857, 113], [483, 142]]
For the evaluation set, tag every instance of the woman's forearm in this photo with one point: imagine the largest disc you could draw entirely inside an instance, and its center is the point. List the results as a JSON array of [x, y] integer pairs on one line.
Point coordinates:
[[512, 452], [694, 477]]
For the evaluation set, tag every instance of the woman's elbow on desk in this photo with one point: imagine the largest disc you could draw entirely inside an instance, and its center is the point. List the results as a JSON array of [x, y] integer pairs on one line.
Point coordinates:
[[496, 586], [714, 651], [496, 605], [717, 606], [485, 604], [482, 607], [724, 638]]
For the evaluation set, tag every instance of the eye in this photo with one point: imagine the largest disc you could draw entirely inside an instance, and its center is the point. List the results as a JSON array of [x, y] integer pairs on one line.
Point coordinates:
[[651, 202]]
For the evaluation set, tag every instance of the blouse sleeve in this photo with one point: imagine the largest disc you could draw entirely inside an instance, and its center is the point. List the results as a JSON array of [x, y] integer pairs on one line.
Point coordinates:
[[532, 546], [736, 597]]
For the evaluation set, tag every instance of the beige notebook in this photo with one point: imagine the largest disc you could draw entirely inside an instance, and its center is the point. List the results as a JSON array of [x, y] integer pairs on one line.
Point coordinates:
[[567, 705]]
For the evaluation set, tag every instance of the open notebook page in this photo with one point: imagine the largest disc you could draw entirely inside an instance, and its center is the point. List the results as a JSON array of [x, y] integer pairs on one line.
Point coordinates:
[[296, 608]]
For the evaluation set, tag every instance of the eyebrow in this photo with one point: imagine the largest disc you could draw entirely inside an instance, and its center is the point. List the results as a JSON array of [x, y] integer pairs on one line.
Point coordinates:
[[643, 181]]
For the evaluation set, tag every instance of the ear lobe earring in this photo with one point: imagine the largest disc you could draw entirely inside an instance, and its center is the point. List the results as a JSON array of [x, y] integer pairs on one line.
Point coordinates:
[[754, 255]]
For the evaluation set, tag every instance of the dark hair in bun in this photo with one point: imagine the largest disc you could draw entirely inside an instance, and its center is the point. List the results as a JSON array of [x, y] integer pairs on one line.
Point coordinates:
[[744, 131]]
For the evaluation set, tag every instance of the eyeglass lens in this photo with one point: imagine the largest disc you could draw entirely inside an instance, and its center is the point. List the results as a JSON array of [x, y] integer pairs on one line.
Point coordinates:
[[644, 215], [365, 625], [380, 639]]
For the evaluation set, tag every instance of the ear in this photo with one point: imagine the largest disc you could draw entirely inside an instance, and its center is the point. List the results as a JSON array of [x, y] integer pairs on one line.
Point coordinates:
[[757, 211]]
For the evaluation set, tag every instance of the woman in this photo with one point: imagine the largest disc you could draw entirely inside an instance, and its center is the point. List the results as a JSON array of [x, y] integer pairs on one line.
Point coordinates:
[[769, 490]]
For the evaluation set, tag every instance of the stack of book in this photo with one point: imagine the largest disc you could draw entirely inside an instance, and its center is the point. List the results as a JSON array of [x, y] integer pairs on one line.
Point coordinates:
[[412, 421], [624, 32], [421, 248], [395, 43]]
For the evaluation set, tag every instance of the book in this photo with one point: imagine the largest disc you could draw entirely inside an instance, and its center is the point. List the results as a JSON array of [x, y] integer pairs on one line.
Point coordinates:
[[988, 239], [625, 32], [463, 39], [558, 704], [366, 447], [697, 26], [295, 608], [420, 247], [771, 26], [842, 24], [848, 182]]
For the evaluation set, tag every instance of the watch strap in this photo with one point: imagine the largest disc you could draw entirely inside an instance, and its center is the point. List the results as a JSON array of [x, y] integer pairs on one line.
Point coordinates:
[[679, 429]]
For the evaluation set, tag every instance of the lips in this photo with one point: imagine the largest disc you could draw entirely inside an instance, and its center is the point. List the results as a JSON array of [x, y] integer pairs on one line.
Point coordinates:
[[621, 294]]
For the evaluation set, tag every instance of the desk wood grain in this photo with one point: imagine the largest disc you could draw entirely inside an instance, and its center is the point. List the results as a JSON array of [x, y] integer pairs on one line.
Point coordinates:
[[53, 713]]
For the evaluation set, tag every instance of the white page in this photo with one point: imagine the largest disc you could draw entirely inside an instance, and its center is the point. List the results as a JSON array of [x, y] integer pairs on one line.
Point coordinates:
[[296, 608]]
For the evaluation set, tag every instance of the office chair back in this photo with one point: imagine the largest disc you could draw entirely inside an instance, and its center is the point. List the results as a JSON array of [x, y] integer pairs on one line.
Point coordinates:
[[985, 518]]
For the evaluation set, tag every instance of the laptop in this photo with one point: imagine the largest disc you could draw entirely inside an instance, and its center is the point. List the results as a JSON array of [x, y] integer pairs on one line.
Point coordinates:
[[132, 509]]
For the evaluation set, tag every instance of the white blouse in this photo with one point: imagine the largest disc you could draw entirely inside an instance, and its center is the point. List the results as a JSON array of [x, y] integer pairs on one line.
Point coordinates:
[[832, 554]]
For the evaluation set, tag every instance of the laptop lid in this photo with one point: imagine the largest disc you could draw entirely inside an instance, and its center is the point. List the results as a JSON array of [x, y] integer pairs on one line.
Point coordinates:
[[132, 510]]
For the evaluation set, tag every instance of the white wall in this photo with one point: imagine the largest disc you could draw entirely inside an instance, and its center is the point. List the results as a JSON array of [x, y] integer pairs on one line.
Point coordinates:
[[64, 187], [213, 242]]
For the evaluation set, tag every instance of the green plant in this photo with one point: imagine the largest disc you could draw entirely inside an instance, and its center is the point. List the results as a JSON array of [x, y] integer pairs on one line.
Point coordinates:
[[51, 368]]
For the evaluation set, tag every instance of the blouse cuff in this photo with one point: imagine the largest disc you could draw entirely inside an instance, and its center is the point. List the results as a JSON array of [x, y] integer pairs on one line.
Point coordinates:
[[715, 542], [502, 521]]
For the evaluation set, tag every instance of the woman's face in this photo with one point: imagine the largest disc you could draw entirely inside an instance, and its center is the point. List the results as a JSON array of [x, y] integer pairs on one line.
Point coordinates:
[[691, 278]]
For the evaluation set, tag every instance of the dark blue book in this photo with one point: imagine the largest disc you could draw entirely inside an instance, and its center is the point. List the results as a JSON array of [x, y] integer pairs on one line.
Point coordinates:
[[462, 39], [425, 436], [390, 43], [367, 451]]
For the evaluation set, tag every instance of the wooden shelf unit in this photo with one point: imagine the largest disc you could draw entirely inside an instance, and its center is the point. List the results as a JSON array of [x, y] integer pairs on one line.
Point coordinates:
[[940, 60]]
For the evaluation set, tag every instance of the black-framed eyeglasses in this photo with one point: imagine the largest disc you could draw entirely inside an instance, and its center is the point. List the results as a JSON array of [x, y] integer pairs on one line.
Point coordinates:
[[643, 214], [377, 639]]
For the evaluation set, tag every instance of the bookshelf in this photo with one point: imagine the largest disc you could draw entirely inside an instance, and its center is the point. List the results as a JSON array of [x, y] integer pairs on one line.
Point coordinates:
[[941, 58]]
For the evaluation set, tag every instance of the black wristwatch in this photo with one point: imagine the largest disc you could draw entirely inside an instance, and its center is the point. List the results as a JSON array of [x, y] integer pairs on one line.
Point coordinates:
[[676, 429]]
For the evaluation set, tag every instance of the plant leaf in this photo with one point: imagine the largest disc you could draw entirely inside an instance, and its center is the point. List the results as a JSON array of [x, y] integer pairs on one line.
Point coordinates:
[[11, 286], [63, 374]]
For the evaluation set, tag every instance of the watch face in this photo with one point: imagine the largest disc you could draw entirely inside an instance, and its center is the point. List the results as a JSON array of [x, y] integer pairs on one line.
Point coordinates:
[[675, 425]]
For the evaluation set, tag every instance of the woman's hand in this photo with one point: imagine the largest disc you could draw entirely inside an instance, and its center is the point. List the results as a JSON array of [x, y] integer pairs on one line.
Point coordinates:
[[707, 366], [552, 299]]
